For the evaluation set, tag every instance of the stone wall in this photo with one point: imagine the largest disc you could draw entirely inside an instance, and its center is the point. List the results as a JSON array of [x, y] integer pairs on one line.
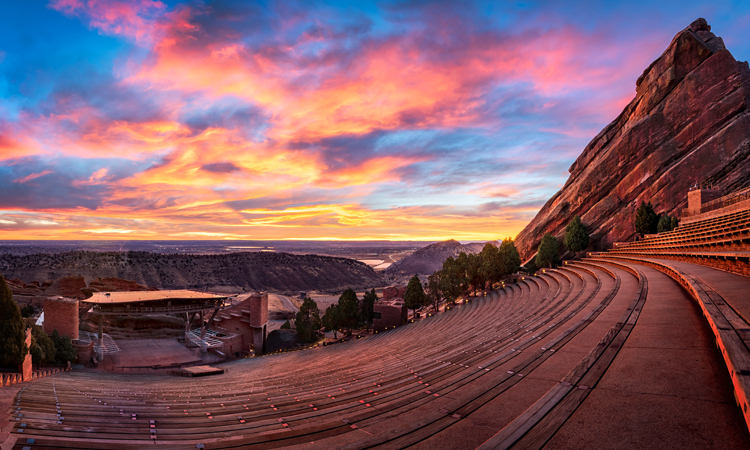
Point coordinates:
[[258, 305], [61, 314]]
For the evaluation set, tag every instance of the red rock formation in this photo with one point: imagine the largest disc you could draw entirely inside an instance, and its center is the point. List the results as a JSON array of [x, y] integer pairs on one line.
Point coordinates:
[[110, 284], [688, 122]]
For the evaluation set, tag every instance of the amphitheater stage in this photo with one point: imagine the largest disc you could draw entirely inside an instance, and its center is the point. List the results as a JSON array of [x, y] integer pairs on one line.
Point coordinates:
[[137, 353], [201, 371]]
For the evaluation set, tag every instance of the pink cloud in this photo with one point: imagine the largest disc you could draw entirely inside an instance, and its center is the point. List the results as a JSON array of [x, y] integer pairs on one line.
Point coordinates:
[[32, 176], [134, 19]]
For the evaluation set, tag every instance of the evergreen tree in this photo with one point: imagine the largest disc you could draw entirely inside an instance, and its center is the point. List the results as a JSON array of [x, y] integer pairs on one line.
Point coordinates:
[[27, 311], [576, 236], [415, 297], [509, 259], [43, 348], [368, 307], [675, 223], [548, 252], [474, 272], [462, 271], [332, 319], [13, 348], [349, 310], [434, 290], [451, 279], [490, 263], [286, 325], [664, 224], [307, 321], [646, 219], [64, 348]]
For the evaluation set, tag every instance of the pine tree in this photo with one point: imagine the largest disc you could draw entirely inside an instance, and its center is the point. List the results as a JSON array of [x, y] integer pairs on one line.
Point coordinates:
[[576, 236], [368, 307], [415, 297], [43, 349], [664, 224], [332, 319], [13, 348], [307, 321], [349, 310], [510, 260], [646, 219], [490, 263], [434, 288], [548, 252]]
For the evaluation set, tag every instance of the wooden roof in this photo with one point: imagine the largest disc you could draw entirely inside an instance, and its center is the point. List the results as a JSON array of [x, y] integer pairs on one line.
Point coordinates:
[[113, 298]]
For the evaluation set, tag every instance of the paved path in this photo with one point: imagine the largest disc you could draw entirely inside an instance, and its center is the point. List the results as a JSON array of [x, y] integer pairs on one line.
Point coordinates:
[[288, 304], [734, 288], [668, 387]]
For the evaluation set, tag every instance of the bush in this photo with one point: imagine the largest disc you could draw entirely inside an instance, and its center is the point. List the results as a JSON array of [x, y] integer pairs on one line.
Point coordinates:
[[27, 311], [286, 326], [664, 225]]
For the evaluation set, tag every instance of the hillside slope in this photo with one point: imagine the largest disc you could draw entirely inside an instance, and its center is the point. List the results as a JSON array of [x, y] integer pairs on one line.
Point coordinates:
[[689, 122], [428, 259], [249, 271]]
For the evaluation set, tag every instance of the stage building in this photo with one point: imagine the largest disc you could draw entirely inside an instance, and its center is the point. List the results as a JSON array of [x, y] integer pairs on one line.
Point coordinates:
[[240, 327]]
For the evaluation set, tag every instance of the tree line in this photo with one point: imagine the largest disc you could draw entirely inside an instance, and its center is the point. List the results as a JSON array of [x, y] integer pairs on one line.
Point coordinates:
[[647, 221], [44, 349], [474, 272], [349, 313]]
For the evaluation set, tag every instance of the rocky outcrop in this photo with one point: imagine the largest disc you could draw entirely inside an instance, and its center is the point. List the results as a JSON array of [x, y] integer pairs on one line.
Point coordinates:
[[242, 271], [689, 122], [428, 259]]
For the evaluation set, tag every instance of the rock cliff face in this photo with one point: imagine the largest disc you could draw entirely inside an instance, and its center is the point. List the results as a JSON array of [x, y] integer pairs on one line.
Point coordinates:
[[689, 122]]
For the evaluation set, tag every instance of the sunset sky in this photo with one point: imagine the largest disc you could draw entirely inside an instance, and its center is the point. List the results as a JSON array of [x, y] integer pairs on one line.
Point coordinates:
[[345, 120]]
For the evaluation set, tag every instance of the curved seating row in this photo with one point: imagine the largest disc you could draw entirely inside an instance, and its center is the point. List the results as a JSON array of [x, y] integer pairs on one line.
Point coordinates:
[[721, 242], [393, 389]]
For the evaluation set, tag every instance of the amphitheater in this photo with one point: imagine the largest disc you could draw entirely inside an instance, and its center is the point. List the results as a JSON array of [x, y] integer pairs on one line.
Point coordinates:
[[645, 346]]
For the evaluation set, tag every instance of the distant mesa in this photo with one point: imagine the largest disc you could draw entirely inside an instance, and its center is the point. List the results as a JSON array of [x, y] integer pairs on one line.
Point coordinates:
[[689, 122], [428, 259], [237, 272]]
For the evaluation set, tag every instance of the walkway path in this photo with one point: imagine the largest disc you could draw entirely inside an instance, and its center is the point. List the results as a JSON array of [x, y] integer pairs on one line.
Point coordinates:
[[668, 387], [734, 288]]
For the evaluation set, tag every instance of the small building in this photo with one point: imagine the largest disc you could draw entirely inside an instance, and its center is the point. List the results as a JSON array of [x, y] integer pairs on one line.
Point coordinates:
[[697, 197], [244, 325], [389, 313]]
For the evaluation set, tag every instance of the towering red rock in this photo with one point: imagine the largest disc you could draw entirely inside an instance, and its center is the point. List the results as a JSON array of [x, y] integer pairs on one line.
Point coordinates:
[[689, 122]]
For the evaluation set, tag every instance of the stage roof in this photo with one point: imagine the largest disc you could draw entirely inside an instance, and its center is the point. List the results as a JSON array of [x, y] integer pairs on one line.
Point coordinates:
[[114, 298]]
